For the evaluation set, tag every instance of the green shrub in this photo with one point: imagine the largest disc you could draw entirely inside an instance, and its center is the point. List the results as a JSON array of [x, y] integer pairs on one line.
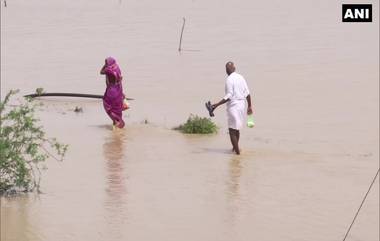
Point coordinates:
[[198, 125], [23, 146]]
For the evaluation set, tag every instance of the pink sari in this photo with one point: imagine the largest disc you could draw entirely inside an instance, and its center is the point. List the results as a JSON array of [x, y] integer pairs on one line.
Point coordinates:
[[113, 96]]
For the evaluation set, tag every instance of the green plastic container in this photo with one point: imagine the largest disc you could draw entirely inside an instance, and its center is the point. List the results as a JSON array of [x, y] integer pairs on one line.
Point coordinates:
[[250, 121]]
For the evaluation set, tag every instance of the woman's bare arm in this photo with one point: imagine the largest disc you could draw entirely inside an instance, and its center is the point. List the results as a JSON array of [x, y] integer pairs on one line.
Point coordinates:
[[102, 71]]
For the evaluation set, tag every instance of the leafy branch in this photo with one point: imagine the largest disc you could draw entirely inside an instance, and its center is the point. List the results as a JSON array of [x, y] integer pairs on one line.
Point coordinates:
[[23, 146]]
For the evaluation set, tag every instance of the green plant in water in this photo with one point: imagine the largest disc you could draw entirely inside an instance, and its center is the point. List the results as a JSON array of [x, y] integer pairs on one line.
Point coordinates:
[[198, 125], [23, 147], [40, 91]]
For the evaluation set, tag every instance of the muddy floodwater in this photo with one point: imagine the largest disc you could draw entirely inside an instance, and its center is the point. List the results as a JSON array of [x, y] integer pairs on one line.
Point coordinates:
[[304, 168]]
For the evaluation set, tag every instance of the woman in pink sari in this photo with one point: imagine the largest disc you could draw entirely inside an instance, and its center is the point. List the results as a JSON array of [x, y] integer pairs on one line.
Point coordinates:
[[113, 96]]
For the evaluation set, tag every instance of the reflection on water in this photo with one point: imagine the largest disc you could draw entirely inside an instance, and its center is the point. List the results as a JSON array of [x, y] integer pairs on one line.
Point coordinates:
[[16, 214], [116, 191], [235, 169], [113, 150], [233, 188]]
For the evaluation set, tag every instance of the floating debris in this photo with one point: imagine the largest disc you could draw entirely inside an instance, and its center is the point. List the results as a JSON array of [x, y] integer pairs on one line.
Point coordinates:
[[78, 109]]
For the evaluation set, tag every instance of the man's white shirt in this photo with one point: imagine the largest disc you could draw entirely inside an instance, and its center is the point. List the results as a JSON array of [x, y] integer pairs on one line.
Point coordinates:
[[236, 88]]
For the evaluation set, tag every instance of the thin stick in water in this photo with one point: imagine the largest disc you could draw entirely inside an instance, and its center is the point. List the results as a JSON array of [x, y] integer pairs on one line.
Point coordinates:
[[180, 39], [361, 205]]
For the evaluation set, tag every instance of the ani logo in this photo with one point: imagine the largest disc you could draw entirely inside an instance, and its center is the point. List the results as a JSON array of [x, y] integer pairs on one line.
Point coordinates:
[[357, 12]]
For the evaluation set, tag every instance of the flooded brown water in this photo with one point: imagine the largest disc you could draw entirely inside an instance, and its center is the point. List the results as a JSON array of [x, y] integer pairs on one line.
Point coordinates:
[[304, 168]]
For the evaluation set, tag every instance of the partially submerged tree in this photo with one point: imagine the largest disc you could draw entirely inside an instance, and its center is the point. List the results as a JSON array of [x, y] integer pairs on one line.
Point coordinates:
[[23, 146]]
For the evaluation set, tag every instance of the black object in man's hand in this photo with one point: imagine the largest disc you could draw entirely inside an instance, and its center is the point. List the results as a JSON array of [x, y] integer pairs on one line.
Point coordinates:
[[210, 109]]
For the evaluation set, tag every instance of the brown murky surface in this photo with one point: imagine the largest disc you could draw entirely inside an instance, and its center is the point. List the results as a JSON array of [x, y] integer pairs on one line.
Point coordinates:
[[305, 166]]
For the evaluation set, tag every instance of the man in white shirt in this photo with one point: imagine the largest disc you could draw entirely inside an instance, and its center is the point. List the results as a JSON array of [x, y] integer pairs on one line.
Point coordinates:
[[237, 92]]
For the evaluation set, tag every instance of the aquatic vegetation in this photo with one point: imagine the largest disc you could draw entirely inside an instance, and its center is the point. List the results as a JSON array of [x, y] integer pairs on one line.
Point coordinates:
[[23, 146], [40, 91], [198, 125]]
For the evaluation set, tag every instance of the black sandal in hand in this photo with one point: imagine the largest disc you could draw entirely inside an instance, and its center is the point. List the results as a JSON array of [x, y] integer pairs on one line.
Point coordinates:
[[209, 108]]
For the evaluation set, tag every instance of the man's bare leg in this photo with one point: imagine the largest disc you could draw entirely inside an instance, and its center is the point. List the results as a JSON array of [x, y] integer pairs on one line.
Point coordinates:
[[234, 140], [231, 138], [238, 138]]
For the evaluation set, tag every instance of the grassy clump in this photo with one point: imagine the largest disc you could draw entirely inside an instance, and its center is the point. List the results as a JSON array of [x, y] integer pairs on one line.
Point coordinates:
[[198, 125], [23, 147]]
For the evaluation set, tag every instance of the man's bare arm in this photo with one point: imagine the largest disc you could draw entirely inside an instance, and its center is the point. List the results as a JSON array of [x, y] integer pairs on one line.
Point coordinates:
[[223, 101], [249, 110]]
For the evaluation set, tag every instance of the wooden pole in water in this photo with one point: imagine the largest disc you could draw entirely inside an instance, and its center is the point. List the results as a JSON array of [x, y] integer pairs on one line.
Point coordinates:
[[5, 3], [361, 205], [180, 39]]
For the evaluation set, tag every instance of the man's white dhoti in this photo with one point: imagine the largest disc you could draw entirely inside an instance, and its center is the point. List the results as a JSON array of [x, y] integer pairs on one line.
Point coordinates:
[[236, 115], [236, 92]]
